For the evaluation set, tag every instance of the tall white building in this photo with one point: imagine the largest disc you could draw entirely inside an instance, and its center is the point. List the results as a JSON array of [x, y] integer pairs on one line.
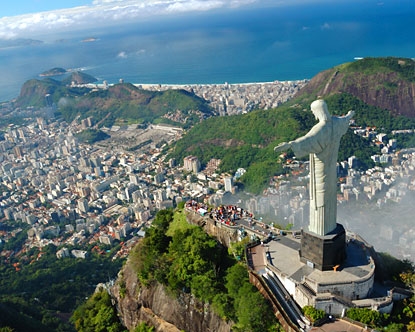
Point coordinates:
[[228, 181], [191, 164], [83, 205]]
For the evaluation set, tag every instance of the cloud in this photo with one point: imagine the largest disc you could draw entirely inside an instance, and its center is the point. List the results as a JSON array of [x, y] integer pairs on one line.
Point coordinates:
[[104, 12], [122, 55], [195, 5], [325, 26]]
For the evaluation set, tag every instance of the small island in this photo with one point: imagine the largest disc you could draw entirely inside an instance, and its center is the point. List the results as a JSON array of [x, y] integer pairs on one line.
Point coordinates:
[[53, 72], [89, 40]]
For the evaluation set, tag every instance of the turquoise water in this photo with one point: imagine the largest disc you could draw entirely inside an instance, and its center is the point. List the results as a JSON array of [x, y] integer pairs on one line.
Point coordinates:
[[252, 45]]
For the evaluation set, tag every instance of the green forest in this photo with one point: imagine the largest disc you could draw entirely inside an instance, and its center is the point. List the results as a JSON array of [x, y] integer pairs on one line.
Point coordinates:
[[404, 69], [39, 292], [125, 103], [119, 104], [91, 136]]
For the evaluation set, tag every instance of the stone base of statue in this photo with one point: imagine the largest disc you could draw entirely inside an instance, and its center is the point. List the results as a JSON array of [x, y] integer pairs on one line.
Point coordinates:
[[323, 252]]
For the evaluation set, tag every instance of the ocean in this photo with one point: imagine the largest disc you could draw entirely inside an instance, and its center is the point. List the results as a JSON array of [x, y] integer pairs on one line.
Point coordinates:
[[235, 46]]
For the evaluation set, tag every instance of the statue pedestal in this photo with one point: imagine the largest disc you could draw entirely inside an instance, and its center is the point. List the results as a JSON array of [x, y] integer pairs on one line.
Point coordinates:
[[323, 252]]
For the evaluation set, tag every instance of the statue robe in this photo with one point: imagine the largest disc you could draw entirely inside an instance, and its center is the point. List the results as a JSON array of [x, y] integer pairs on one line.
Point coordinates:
[[322, 143]]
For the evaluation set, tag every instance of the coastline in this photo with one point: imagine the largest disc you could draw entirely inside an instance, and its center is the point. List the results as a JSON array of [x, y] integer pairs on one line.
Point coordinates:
[[150, 86]]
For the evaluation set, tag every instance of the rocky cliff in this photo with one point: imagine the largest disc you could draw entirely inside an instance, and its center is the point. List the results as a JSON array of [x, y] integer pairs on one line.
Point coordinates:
[[154, 305], [388, 83]]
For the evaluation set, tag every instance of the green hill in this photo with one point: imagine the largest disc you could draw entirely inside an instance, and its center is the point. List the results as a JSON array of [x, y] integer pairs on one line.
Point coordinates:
[[33, 92], [79, 77], [54, 72], [387, 83], [248, 140], [119, 104]]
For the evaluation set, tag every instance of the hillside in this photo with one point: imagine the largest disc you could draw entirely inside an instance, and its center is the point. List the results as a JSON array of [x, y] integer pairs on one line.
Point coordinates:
[[79, 77], [119, 104], [248, 140], [33, 92], [387, 83], [53, 72]]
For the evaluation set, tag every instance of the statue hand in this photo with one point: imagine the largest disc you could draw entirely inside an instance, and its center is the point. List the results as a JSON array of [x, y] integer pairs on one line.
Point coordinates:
[[350, 114], [282, 147]]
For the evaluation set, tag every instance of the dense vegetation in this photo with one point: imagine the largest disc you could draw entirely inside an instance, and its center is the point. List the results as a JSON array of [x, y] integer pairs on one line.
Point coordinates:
[[91, 136], [53, 72], [367, 316], [313, 314], [33, 92], [405, 69], [367, 115], [119, 104], [36, 287], [97, 314], [185, 258]]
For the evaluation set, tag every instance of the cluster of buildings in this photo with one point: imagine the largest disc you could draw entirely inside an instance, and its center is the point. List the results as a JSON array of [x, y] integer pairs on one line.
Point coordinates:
[[231, 99], [60, 186], [75, 194]]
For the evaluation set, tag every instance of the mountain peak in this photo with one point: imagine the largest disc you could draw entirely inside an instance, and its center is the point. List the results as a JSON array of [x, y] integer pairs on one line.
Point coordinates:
[[388, 83]]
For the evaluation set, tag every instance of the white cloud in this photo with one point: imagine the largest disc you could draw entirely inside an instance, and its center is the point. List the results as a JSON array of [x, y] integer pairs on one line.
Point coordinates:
[[193, 5], [325, 26], [99, 2], [122, 55], [104, 12]]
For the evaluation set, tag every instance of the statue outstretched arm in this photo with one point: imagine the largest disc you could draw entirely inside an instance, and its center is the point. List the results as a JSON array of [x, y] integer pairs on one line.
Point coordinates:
[[282, 146]]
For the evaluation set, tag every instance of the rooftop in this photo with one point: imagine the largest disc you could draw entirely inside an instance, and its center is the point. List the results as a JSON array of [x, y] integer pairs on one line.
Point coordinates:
[[284, 256]]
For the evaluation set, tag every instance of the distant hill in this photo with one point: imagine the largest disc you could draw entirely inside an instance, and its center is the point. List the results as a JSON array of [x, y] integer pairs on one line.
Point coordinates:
[[78, 77], [6, 43], [53, 72], [387, 83], [119, 104], [381, 92], [34, 91]]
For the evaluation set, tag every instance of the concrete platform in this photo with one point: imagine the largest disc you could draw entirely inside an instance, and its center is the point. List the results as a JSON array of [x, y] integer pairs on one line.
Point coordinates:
[[284, 256]]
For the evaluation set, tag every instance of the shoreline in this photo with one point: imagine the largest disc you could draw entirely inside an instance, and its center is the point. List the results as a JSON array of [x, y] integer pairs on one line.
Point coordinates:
[[172, 86], [225, 83]]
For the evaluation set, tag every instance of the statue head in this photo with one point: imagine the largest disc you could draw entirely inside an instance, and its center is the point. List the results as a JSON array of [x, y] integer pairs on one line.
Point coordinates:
[[320, 111]]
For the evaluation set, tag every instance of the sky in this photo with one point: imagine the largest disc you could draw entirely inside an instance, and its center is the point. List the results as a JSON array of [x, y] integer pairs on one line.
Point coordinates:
[[19, 7], [28, 18]]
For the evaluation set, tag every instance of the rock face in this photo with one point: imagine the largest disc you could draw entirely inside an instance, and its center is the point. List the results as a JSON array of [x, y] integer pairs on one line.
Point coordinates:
[[386, 83], [154, 305]]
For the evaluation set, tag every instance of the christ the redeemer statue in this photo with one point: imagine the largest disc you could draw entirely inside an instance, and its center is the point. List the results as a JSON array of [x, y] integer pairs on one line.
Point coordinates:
[[322, 143]]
